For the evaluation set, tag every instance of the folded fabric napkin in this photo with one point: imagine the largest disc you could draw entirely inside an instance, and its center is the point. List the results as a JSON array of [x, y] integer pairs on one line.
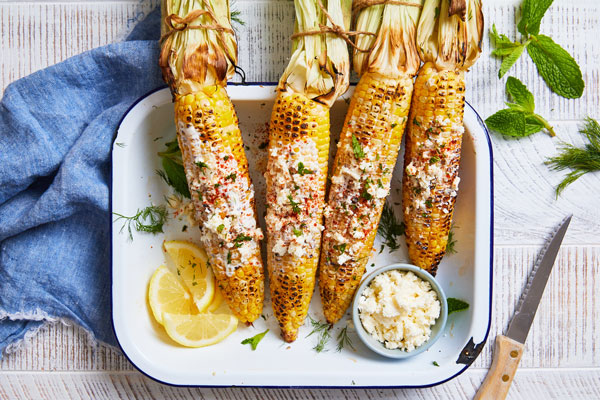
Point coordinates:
[[56, 131]]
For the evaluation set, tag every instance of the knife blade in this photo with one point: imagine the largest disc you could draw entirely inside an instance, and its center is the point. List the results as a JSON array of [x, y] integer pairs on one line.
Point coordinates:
[[509, 347]]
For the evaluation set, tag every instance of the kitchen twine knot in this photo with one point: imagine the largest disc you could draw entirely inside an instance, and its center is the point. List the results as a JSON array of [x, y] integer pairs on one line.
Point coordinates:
[[344, 34], [358, 5], [175, 23]]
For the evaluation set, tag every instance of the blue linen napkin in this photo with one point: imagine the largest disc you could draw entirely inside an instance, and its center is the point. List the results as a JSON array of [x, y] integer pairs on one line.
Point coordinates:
[[56, 131]]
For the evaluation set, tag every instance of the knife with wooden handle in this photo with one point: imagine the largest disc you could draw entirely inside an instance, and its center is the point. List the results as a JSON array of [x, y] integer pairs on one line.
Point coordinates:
[[509, 347]]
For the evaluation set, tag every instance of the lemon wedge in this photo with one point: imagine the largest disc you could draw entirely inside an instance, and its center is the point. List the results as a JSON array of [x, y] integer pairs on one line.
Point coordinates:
[[166, 294], [190, 262], [199, 330]]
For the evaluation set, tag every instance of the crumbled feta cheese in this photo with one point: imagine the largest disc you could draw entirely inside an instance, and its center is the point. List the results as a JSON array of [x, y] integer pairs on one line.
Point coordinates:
[[354, 173], [411, 169], [342, 258], [279, 248], [398, 309]]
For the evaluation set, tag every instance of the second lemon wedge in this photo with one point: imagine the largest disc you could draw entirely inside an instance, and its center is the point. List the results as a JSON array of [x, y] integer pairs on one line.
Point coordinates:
[[191, 265]]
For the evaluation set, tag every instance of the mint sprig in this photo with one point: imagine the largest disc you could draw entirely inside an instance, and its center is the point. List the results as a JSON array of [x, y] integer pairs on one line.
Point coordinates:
[[519, 119], [554, 64]]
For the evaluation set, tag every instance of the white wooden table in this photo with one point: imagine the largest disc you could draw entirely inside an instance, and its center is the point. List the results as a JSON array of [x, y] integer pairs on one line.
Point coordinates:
[[562, 358]]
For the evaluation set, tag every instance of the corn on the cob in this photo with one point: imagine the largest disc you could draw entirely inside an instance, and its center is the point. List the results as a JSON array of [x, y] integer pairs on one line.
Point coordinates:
[[434, 134], [367, 152], [212, 151], [297, 162]]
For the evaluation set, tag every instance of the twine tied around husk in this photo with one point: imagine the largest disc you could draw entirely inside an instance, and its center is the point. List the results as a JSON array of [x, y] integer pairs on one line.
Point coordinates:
[[359, 5], [175, 23], [335, 29]]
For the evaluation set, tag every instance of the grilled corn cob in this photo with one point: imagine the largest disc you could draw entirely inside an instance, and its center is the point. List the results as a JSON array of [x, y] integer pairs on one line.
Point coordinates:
[[367, 150], [297, 161], [449, 44], [196, 63]]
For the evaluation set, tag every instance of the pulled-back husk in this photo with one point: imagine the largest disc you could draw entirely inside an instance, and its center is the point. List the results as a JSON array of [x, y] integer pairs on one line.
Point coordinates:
[[319, 67], [450, 33], [204, 53], [393, 52]]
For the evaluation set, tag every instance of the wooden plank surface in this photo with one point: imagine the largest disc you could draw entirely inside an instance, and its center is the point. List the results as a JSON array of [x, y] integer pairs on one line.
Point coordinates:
[[528, 384], [562, 352]]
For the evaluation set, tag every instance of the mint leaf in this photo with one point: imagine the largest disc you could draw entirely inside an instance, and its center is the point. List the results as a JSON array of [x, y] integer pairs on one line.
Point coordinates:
[[510, 60], [456, 305], [518, 91], [519, 119], [508, 122], [511, 51], [255, 340], [533, 125], [556, 66], [174, 176], [504, 46], [532, 13]]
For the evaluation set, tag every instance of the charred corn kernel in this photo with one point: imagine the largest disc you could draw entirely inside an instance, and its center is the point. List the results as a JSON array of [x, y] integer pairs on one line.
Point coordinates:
[[431, 162], [360, 182], [217, 175], [296, 176]]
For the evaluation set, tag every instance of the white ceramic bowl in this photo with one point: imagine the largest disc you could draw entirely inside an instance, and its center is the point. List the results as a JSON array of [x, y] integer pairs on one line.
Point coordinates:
[[436, 329]]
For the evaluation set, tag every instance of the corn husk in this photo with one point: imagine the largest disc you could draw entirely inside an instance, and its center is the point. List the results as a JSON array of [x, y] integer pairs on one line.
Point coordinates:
[[393, 50], [319, 65], [450, 33], [194, 58]]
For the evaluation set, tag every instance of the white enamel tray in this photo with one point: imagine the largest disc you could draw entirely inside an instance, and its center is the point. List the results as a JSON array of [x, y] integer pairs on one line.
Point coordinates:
[[465, 275]]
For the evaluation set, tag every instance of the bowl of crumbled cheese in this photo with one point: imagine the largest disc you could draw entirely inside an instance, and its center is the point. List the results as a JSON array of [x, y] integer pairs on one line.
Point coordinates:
[[399, 310]]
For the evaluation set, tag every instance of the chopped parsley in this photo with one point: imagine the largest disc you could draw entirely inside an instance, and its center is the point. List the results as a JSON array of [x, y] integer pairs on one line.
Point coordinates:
[[231, 176], [297, 232], [229, 257], [357, 148], [434, 159], [302, 170], [428, 203], [220, 228], [417, 123], [436, 364], [295, 205], [240, 239], [340, 247], [201, 165]]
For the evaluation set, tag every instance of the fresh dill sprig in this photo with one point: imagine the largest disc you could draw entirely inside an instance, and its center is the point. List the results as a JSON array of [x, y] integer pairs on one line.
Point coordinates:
[[235, 17], [150, 219], [451, 245], [344, 340], [580, 160], [390, 228], [321, 329]]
